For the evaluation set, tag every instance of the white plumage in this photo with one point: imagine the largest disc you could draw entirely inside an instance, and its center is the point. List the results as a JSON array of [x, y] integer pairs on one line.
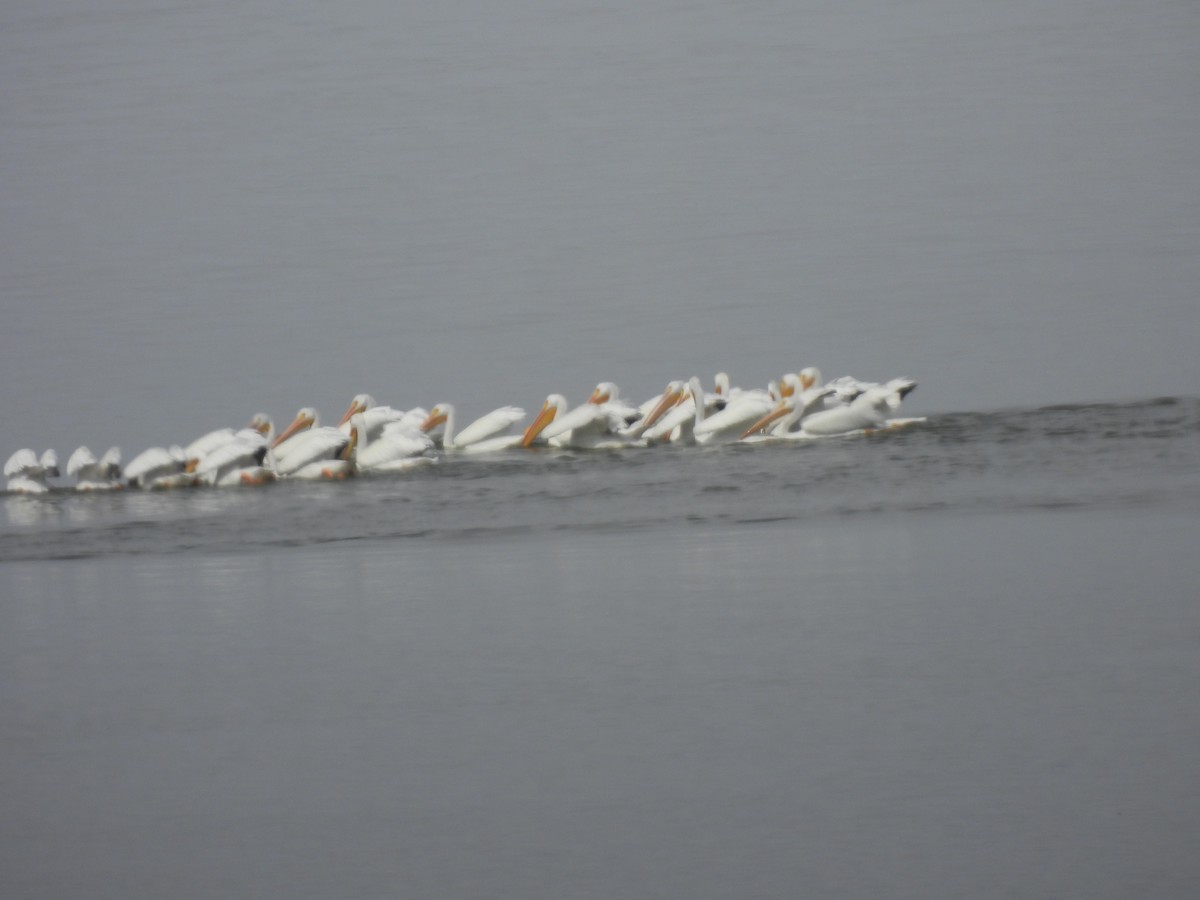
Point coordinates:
[[485, 434], [26, 473]]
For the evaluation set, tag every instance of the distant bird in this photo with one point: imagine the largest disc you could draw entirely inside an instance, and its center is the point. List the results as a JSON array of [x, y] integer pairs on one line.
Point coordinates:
[[236, 462], [784, 421], [27, 474], [486, 434], [91, 474], [305, 446], [589, 426], [207, 444], [392, 451], [870, 410], [743, 410], [377, 417], [159, 467]]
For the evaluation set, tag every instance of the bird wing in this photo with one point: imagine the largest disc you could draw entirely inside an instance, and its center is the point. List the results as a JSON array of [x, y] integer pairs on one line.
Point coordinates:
[[19, 462], [496, 422]]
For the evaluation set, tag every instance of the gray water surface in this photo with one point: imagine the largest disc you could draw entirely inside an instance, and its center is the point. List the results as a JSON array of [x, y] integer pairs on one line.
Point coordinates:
[[909, 706], [956, 659]]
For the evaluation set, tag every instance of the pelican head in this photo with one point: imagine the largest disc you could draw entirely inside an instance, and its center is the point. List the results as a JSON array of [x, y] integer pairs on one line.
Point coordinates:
[[263, 425], [721, 384], [306, 418], [604, 392], [550, 408], [672, 396], [360, 403], [437, 416]]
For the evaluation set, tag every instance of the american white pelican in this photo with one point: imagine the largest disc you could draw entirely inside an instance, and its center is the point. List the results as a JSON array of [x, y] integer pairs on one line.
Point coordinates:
[[379, 418], [485, 435], [648, 406], [158, 467], [392, 451], [590, 426], [799, 381], [302, 447], [91, 474], [678, 426], [551, 407], [206, 444], [306, 418], [743, 409], [263, 424], [678, 420], [783, 422], [846, 389], [608, 395], [656, 407], [27, 474], [868, 411], [236, 462]]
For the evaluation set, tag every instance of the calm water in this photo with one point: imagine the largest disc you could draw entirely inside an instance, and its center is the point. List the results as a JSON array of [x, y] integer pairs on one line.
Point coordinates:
[[1139, 454], [953, 660]]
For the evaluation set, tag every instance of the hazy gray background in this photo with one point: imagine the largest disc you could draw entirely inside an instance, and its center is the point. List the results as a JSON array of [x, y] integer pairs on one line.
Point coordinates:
[[212, 209]]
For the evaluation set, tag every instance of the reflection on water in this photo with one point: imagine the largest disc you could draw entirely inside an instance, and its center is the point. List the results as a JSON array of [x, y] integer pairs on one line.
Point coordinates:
[[28, 511]]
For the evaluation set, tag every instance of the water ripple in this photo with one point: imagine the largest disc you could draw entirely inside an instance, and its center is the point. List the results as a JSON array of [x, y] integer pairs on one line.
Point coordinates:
[[1053, 458]]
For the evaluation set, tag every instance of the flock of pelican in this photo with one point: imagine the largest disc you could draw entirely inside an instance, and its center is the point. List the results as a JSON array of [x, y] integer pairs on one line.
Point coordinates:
[[370, 438]]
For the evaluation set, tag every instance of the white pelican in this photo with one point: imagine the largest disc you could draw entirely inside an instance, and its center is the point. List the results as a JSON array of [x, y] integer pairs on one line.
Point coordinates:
[[608, 395], [91, 474], [306, 418], [590, 426], [656, 407], [27, 474], [236, 462], [206, 444], [799, 381], [159, 467], [485, 435], [868, 411], [392, 451], [743, 410], [846, 389], [551, 407], [785, 419], [379, 418], [303, 448], [679, 423], [263, 424], [653, 403]]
